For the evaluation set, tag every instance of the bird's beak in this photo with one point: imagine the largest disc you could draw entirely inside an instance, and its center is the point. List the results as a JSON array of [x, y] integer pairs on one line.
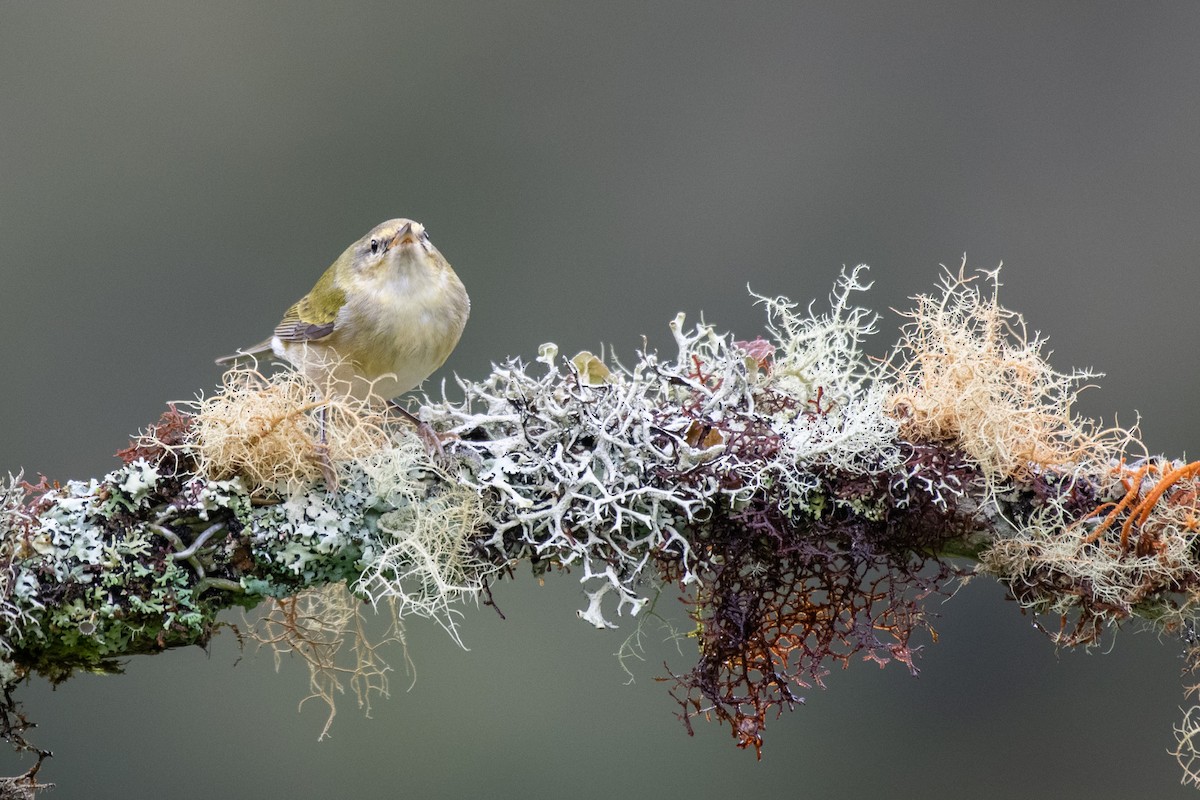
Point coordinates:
[[405, 235]]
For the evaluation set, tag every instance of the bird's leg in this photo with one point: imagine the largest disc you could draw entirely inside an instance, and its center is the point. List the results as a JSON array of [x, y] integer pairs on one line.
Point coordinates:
[[425, 432], [322, 451]]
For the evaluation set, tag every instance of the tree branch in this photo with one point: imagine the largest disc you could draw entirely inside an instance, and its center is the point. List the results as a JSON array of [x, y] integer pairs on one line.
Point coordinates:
[[804, 501]]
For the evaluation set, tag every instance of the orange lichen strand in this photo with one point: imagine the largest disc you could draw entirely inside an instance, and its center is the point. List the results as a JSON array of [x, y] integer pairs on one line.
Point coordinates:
[[1141, 508], [1131, 494], [1142, 512]]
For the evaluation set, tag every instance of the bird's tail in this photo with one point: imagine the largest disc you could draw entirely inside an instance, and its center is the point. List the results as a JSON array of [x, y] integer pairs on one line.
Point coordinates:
[[261, 349]]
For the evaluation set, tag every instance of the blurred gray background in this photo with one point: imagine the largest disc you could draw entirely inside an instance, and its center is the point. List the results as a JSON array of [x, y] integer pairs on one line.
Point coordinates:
[[174, 175]]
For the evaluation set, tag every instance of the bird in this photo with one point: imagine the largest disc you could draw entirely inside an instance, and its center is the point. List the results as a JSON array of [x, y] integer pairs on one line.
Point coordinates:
[[381, 319]]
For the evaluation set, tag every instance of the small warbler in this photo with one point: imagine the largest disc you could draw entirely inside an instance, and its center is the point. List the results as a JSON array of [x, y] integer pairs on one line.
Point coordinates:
[[382, 318]]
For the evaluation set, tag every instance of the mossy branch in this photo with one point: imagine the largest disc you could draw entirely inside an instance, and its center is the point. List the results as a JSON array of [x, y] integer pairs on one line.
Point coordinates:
[[804, 500]]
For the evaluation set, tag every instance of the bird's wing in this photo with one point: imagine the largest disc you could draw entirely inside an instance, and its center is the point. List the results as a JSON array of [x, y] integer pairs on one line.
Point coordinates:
[[307, 321]]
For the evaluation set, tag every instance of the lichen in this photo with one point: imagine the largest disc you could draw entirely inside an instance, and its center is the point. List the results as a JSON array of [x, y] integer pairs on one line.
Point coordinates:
[[803, 500], [968, 371]]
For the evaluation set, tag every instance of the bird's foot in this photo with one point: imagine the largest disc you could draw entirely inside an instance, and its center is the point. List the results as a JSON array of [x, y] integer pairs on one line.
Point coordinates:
[[321, 450], [425, 432]]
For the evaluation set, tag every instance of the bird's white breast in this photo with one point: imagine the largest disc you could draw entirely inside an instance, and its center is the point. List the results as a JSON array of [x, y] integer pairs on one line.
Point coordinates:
[[394, 331]]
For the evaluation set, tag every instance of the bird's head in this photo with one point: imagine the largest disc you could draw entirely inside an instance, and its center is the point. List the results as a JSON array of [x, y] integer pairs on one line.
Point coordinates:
[[392, 248]]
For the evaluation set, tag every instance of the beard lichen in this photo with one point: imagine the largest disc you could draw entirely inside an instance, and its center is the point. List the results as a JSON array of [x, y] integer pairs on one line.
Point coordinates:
[[325, 628], [276, 432], [968, 371]]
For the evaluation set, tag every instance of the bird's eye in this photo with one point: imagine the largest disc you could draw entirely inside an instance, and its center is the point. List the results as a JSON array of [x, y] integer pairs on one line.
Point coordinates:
[[374, 246]]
